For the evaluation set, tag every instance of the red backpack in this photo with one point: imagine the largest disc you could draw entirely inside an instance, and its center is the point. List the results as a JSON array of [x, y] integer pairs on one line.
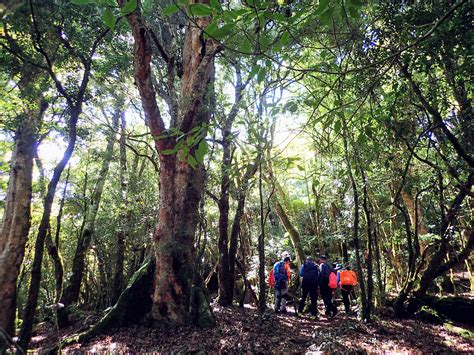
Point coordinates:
[[332, 280], [348, 278]]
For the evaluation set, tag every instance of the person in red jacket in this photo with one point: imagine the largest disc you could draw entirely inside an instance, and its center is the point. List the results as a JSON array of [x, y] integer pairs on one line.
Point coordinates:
[[279, 278]]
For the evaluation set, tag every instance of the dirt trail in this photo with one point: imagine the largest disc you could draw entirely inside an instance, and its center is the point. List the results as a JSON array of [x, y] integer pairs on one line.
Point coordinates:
[[242, 330]]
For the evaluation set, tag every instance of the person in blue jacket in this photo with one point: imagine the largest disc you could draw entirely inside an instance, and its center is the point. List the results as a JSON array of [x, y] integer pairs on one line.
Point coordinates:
[[326, 292], [310, 274]]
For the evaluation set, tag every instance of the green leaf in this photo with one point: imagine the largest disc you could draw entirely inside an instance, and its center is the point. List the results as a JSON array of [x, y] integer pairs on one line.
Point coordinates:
[[201, 151], [355, 3], [326, 16], [254, 71], [223, 31], [109, 18], [323, 5], [129, 7], [192, 161], [168, 151], [246, 46], [337, 127], [82, 2], [215, 4], [264, 43], [261, 75], [284, 38], [183, 2], [210, 30], [200, 10], [170, 10]]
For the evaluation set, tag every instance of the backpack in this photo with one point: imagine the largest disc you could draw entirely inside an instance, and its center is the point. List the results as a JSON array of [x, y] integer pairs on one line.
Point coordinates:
[[310, 274], [348, 278], [332, 280], [279, 272]]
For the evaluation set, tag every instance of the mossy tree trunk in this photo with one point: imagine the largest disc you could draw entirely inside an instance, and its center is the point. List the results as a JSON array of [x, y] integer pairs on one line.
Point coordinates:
[[178, 296]]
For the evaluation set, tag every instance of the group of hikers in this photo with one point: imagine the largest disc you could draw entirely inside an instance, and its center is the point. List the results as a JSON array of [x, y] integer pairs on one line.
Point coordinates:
[[316, 275]]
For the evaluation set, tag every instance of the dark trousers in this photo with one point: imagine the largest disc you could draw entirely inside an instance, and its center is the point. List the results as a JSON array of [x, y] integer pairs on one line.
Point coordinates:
[[313, 294], [345, 292], [326, 294]]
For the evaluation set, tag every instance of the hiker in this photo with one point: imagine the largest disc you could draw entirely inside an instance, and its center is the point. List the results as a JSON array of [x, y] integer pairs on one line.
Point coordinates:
[[310, 274], [346, 280], [279, 279], [325, 270]]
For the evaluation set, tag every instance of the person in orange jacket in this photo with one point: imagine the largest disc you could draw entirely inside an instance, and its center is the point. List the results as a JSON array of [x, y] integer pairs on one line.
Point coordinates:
[[279, 278]]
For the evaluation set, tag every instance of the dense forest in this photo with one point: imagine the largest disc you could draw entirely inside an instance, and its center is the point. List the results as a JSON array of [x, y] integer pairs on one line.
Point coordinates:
[[157, 157]]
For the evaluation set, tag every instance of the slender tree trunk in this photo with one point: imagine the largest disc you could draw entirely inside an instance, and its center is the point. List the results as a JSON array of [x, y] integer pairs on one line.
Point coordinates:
[[53, 248], [124, 217], [369, 263], [227, 252], [380, 280], [261, 247], [71, 293], [33, 291], [235, 231], [355, 235], [224, 296]]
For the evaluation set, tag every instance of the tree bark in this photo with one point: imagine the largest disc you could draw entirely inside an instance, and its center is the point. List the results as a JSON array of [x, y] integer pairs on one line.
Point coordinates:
[[16, 217], [33, 291], [53, 248], [235, 231], [366, 313], [261, 248], [227, 252], [178, 295]]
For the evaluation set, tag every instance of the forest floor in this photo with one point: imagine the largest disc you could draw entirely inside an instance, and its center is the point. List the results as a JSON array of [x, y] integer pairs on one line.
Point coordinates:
[[243, 330]]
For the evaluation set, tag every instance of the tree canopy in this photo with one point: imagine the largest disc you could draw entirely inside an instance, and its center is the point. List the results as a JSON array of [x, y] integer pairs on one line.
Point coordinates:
[[168, 152]]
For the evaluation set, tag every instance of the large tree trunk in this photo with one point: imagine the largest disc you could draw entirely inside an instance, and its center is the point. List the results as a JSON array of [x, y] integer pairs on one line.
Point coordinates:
[[178, 295], [71, 293], [16, 217]]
